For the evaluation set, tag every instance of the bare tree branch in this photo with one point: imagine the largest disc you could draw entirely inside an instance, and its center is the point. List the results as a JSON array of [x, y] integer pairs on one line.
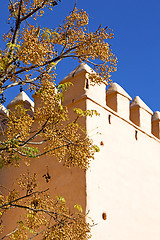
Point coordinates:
[[34, 10], [9, 234], [36, 134], [23, 197], [18, 23], [37, 234], [48, 212]]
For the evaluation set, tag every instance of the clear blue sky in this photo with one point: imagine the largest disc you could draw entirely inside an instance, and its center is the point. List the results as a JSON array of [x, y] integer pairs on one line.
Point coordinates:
[[136, 26]]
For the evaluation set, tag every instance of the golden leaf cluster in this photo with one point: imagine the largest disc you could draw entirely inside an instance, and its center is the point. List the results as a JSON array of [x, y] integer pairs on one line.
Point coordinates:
[[34, 50], [30, 58]]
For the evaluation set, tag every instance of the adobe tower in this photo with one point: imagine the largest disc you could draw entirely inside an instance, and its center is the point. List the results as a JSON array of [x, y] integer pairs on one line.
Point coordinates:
[[121, 189]]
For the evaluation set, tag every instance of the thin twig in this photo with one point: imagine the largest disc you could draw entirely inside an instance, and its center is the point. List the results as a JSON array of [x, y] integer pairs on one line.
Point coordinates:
[[38, 233], [34, 10], [23, 197], [36, 134], [9, 234], [18, 23]]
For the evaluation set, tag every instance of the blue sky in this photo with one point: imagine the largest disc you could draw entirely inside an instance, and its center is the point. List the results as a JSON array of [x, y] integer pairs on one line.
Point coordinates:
[[136, 43]]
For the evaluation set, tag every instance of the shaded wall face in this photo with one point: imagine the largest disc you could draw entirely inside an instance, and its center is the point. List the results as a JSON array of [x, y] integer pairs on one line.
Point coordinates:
[[69, 183], [124, 179], [75, 90]]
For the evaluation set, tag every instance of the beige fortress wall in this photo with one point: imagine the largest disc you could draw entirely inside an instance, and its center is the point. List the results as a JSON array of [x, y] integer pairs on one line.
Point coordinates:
[[124, 178]]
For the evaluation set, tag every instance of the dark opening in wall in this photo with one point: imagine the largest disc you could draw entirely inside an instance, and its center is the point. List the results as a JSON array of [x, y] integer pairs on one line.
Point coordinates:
[[87, 84], [104, 216], [102, 143], [136, 134]]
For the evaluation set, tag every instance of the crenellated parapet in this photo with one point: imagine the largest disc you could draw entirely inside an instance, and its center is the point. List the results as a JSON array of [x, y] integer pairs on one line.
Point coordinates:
[[141, 114], [118, 100], [115, 98], [82, 87], [23, 100], [136, 111]]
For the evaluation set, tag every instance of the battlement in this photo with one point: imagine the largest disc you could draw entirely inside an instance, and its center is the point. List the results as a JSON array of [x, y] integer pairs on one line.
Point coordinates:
[[115, 99]]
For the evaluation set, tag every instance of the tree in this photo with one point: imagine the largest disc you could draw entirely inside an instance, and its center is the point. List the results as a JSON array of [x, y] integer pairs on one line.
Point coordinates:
[[30, 58]]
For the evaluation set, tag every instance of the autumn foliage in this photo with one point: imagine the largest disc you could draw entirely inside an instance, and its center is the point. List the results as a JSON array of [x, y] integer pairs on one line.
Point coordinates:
[[30, 58]]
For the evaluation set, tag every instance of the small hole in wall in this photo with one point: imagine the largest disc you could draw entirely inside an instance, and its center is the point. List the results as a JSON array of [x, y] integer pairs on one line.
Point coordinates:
[[72, 100], [102, 143], [104, 216], [136, 134], [109, 119], [87, 84]]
